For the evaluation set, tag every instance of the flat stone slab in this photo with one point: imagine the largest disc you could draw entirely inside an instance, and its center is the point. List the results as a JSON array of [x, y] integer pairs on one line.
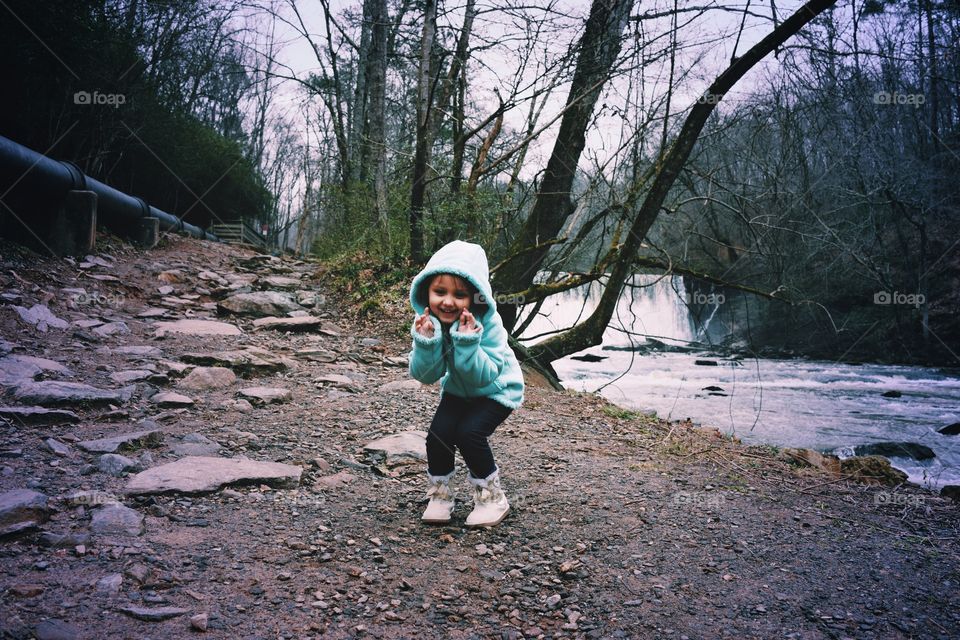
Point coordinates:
[[123, 442], [202, 474], [170, 399], [196, 328], [399, 448], [112, 329], [37, 416], [317, 355], [195, 444], [41, 317], [15, 369], [400, 385], [208, 378], [130, 375], [266, 395], [259, 303], [133, 351], [117, 520], [302, 323], [22, 509], [50, 393], [282, 282], [251, 360], [152, 614]]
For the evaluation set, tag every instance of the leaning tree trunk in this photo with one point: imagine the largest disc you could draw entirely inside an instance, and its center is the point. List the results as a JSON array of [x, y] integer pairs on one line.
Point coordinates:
[[599, 48], [590, 332]]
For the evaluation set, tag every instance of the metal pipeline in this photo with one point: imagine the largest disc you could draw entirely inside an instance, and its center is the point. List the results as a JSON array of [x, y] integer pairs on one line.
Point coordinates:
[[42, 181]]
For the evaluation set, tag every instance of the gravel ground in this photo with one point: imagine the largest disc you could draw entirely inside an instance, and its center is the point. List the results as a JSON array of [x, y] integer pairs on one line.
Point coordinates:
[[622, 526]]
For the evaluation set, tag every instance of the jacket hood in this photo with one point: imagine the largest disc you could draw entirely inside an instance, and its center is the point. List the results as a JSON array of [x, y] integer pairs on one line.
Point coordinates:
[[463, 259]]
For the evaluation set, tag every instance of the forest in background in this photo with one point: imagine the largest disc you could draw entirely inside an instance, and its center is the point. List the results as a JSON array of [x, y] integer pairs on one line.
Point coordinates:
[[581, 142]]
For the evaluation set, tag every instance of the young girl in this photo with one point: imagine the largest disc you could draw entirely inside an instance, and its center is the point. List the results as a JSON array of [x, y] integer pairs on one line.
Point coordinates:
[[459, 337]]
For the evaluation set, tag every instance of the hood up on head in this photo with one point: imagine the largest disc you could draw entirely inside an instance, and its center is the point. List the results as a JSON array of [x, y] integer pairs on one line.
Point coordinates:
[[463, 259]]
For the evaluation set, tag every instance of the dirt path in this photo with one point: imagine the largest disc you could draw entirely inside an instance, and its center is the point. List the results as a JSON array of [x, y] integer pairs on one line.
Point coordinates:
[[622, 526]]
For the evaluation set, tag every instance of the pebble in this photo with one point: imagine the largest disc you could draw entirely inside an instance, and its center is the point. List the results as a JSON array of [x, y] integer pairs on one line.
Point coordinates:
[[199, 622]]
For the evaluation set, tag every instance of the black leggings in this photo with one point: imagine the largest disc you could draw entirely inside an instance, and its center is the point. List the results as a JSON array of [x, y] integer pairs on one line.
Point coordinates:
[[465, 425]]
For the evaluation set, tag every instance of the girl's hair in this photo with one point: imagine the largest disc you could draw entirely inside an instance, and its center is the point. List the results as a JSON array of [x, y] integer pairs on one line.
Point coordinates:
[[477, 308]]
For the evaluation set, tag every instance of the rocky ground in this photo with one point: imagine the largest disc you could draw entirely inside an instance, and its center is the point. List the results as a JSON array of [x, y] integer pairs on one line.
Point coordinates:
[[175, 462]]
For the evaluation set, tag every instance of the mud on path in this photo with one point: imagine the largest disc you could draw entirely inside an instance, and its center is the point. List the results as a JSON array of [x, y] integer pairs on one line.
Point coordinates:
[[622, 526]]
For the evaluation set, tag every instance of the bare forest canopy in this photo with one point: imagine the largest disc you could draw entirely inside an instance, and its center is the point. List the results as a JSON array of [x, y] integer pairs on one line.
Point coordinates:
[[801, 157]]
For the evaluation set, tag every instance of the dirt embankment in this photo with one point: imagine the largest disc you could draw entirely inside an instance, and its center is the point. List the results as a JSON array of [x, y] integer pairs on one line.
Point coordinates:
[[622, 526]]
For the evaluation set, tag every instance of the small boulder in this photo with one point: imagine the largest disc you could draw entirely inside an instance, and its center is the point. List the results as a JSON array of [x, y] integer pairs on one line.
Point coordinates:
[[117, 520], [114, 464], [208, 379], [55, 629], [22, 509]]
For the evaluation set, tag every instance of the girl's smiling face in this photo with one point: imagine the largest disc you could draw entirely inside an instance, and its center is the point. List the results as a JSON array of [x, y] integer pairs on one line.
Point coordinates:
[[448, 297]]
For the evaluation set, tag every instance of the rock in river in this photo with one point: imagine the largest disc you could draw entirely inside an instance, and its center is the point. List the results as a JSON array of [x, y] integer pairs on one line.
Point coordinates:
[[895, 450]]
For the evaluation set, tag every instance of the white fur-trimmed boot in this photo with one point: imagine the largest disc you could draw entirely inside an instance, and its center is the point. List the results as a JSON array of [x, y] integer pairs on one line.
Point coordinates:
[[490, 502], [441, 498]]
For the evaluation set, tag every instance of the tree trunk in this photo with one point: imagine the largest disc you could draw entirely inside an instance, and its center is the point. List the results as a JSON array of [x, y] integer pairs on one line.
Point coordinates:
[[590, 332], [377, 89], [421, 155], [599, 48]]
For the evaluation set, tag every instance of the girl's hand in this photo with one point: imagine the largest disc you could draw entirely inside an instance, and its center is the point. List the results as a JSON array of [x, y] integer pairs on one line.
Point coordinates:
[[423, 325], [467, 323]]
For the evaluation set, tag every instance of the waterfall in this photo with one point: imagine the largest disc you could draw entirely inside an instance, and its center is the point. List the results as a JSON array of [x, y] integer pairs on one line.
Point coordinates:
[[651, 305]]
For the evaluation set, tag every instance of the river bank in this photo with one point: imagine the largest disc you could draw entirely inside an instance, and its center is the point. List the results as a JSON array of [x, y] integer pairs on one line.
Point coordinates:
[[622, 525]]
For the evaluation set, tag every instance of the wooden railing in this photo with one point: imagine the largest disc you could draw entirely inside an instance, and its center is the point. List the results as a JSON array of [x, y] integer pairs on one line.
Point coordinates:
[[239, 232]]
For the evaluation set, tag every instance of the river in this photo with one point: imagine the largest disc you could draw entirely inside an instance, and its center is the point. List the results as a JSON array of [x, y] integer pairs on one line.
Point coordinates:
[[822, 405]]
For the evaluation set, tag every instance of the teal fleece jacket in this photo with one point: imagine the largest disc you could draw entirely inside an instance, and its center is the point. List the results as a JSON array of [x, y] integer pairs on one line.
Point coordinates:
[[469, 365]]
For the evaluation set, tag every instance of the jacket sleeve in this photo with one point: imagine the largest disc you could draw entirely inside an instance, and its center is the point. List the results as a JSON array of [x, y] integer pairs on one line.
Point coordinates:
[[426, 358], [479, 357]]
